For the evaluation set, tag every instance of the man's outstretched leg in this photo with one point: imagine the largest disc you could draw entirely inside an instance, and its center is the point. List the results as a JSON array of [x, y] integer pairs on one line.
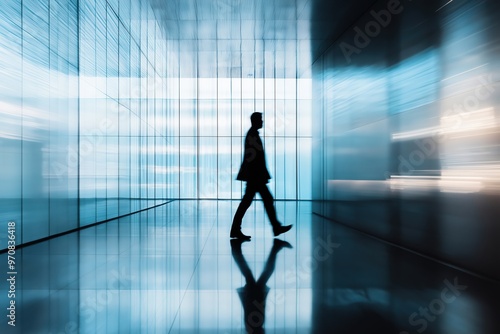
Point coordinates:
[[246, 201], [271, 211]]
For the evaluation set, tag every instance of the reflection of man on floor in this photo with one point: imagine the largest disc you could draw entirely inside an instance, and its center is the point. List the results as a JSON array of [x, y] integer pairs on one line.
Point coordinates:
[[253, 295], [254, 171]]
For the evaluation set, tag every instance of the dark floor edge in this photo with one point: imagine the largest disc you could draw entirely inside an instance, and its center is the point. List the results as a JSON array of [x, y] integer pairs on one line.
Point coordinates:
[[425, 256], [236, 199], [26, 244]]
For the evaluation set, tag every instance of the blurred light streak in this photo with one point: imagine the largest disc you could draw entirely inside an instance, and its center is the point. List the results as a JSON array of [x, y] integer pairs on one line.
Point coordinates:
[[446, 4]]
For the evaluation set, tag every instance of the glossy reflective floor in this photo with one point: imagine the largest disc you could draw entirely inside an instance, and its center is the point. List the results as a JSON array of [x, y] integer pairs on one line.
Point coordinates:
[[173, 269]]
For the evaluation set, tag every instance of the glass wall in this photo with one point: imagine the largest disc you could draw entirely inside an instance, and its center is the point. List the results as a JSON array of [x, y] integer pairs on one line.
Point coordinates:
[[207, 124], [39, 117], [122, 69], [225, 61]]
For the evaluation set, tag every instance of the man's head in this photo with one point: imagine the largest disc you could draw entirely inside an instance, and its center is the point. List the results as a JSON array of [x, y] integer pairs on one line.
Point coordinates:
[[256, 119]]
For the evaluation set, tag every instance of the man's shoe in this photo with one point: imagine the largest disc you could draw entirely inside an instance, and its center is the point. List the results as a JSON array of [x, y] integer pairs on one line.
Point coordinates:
[[279, 244], [238, 235], [277, 230]]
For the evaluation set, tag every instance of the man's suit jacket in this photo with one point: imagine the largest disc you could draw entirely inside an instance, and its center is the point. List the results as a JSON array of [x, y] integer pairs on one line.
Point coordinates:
[[253, 168]]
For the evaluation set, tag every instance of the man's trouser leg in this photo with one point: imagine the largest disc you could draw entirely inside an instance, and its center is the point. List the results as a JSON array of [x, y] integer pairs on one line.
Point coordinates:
[[246, 201], [268, 204]]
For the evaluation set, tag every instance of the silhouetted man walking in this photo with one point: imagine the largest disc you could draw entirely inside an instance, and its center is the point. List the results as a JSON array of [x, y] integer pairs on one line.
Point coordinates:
[[253, 170]]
